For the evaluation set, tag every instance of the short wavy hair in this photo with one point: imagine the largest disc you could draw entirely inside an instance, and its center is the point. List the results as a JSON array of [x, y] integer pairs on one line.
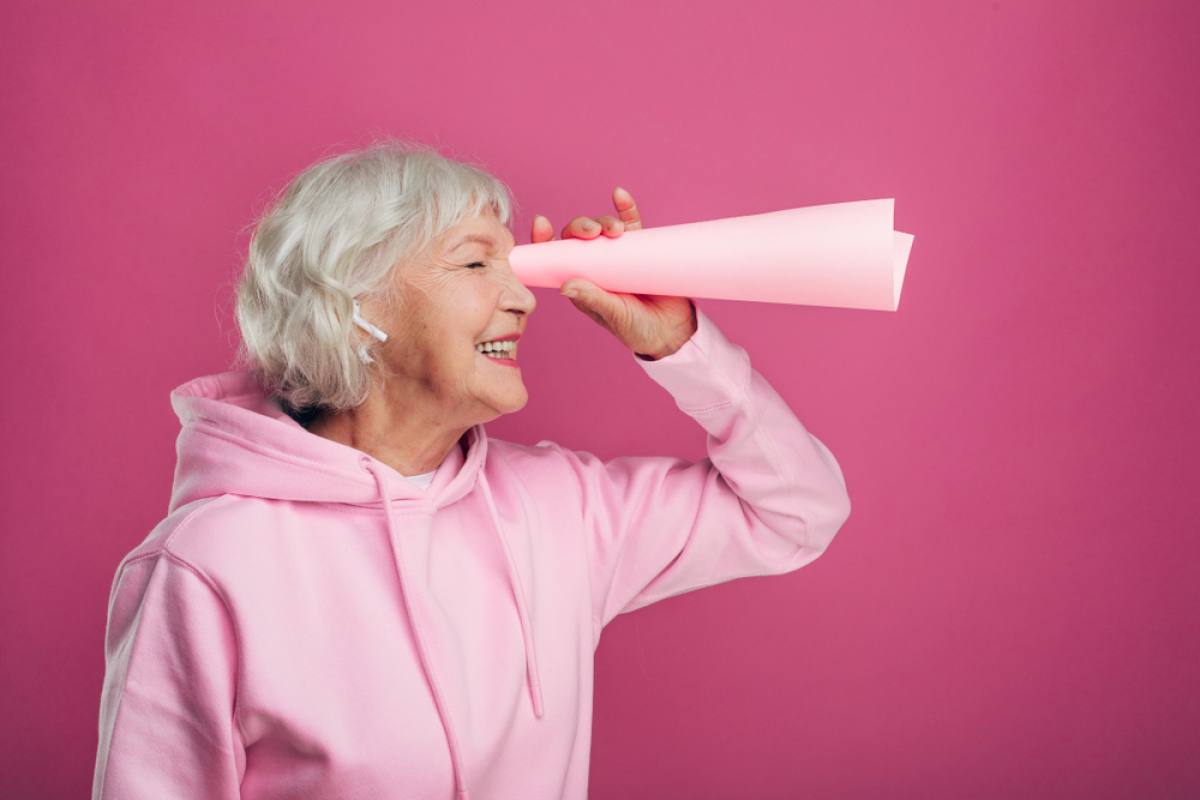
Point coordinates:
[[335, 235]]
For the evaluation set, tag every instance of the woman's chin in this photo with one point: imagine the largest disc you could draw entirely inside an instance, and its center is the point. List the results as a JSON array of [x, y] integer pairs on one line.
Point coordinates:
[[507, 402], [516, 403]]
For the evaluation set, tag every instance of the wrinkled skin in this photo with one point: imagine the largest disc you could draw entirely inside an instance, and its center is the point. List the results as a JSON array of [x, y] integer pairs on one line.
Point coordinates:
[[433, 383]]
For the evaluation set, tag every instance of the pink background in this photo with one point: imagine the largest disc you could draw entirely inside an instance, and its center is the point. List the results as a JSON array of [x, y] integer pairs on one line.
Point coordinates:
[[1012, 610]]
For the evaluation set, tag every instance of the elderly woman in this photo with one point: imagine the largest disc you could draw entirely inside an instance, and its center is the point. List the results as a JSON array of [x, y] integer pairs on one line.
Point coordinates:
[[357, 593]]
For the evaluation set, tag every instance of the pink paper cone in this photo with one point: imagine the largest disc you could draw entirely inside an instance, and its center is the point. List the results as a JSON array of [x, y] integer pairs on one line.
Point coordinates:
[[844, 255]]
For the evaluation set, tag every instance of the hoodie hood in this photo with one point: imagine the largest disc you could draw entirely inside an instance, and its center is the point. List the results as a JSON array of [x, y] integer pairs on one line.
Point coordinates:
[[238, 440]]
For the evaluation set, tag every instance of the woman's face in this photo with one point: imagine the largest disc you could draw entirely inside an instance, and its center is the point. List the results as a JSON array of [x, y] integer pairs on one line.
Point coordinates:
[[453, 327]]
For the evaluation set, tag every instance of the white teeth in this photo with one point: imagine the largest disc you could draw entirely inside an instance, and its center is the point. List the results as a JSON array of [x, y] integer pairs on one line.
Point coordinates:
[[502, 349]]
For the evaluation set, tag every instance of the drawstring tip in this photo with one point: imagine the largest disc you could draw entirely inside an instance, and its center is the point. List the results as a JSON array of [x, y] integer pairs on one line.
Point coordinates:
[[538, 708], [463, 795]]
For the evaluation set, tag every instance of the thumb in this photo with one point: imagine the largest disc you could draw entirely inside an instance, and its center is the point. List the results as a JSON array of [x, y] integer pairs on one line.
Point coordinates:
[[589, 298]]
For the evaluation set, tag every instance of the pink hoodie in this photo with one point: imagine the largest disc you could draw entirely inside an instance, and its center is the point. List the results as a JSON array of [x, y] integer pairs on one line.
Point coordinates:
[[308, 624]]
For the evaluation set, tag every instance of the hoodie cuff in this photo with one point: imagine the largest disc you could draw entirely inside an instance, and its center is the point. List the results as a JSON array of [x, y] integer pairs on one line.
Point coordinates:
[[708, 372]]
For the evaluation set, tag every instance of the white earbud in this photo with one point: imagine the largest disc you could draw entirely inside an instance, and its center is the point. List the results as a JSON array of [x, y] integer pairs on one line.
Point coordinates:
[[366, 326]]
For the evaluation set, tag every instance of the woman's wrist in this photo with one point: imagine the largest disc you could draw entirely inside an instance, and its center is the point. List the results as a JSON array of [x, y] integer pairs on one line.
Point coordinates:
[[676, 338]]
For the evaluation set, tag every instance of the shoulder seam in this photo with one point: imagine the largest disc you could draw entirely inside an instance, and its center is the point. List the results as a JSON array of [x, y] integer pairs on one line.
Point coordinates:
[[195, 512], [162, 547]]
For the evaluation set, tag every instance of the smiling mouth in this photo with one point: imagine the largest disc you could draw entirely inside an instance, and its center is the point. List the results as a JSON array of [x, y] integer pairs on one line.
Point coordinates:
[[499, 351]]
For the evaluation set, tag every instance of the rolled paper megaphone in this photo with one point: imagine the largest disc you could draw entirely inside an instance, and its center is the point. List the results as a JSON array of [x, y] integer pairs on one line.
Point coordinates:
[[844, 255]]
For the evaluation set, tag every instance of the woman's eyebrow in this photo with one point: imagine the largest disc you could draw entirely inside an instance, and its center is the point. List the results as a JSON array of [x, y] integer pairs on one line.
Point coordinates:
[[474, 238]]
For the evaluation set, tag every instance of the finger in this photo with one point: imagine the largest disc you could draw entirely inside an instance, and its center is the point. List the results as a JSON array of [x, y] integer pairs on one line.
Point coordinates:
[[611, 226], [592, 300], [542, 231], [627, 209], [581, 228]]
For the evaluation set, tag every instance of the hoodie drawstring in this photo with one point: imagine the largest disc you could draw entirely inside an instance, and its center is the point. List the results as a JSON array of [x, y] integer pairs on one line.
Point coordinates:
[[531, 665], [532, 675], [460, 778]]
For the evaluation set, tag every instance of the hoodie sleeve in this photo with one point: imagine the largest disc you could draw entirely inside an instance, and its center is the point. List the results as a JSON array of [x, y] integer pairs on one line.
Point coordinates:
[[768, 499], [166, 719]]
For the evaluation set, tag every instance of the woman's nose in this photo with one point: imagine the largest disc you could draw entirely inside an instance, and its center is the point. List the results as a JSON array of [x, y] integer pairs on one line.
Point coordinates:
[[516, 297]]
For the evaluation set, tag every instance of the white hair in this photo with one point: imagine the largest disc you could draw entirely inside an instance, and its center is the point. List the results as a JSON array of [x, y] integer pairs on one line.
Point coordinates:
[[337, 234]]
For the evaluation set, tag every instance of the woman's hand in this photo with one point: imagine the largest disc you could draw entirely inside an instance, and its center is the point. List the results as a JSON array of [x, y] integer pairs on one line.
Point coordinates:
[[652, 326]]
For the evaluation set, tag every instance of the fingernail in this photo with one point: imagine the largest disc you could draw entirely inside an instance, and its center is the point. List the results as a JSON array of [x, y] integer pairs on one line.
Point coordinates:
[[570, 293], [588, 225]]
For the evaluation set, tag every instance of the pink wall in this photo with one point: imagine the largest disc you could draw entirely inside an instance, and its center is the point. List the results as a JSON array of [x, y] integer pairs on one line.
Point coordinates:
[[1012, 610]]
